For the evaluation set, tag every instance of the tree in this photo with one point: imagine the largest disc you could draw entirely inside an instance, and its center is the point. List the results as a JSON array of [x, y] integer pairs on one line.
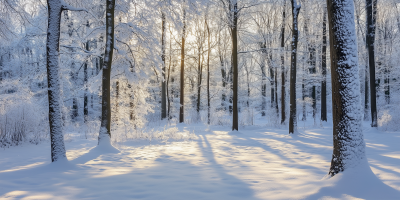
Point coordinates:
[[163, 86], [371, 21], [323, 83], [234, 9], [295, 32], [348, 142], [283, 90], [55, 8], [105, 126], [182, 86]]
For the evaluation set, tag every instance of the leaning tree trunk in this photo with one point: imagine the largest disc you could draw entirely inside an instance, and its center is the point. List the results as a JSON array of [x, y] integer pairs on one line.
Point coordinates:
[[55, 7], [323, 83], [235, 120], [348, 142], [163, 85], [283, 90], [295, 32], [105, 127], [182, 95], [371, 21]]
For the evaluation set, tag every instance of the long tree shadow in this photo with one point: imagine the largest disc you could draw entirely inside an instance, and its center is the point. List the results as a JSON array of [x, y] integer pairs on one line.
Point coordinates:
[[237, 188], [115, 176]]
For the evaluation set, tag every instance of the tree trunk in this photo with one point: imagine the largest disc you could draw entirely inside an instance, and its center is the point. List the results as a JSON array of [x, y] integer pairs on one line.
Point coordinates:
[[371, 21], [323, 84], [348, 142], [85, 80], [295, 32], [182, 94], [208, 73], [235, 120], [53, 80], [116, 100], [163, 86], [283, 90], [263, 78], [276, 92], [200, 78], [105, 127]]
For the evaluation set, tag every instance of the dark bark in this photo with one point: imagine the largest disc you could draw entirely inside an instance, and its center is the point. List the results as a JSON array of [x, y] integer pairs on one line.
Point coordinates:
[[182, 89], [235, 120], [208, 73], [116, 100], [371, 21], [105, 126], [348, 143], [85, 81], [263, 79], [295, 35], [323, 83], [283, 90], [276, 92], [199, 80], [52, 50], [163, 86]]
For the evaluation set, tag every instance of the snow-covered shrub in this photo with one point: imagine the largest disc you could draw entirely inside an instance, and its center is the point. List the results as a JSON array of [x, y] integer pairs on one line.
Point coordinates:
[[221, 118], [388, 119], [21, 117]]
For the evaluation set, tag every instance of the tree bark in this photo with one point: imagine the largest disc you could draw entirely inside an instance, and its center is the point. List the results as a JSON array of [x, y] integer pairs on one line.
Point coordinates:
[[283, 90], [53, 80], [371, 21], [235, 120], [105, 127], [295, 32], [208, 73], [323, 84], [163, 86], [348, 142], [182, 94], [85, 80]]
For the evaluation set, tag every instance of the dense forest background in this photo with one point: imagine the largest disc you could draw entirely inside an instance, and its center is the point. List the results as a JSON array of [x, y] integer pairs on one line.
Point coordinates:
[[155, 40]]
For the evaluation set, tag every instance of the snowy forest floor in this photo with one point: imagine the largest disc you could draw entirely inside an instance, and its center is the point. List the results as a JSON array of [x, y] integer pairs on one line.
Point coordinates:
[[257, 162]]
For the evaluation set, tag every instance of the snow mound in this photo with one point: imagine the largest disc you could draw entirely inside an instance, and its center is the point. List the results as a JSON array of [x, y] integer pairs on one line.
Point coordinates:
[[234, 133], [355, 183], [105, 148]]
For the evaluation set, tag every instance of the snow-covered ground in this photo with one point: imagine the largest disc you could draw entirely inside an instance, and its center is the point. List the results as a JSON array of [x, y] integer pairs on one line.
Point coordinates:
[[255, 163]]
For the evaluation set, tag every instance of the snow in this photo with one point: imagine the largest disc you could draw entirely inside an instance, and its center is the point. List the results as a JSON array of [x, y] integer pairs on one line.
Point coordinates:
[[256, 163]]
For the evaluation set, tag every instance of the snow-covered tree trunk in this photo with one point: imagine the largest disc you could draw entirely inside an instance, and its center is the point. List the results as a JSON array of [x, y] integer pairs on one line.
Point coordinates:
[[105, 127], [295, 37], [55, 8], [348, 142], [53, 80]]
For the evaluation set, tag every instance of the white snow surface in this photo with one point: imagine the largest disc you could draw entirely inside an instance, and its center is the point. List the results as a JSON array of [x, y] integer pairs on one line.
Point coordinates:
[[256, 163]]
